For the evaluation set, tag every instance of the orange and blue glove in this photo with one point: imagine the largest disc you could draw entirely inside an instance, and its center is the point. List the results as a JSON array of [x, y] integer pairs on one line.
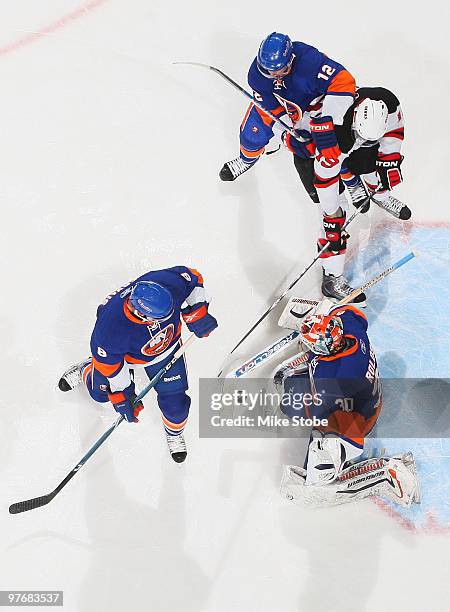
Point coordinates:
[[305, 149], [198, 320], [123, 402], [325, 139]]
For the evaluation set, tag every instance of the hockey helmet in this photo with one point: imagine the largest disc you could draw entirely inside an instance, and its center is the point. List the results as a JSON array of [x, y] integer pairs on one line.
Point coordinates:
[[322, 334], [370, 119], [275, 55], [151, 301]]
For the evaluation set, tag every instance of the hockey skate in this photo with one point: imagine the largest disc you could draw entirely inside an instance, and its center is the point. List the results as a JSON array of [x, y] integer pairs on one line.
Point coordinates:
[[72, 377], [337, 288], [394, 207], [358, 195], [177, 447], [234, 168]]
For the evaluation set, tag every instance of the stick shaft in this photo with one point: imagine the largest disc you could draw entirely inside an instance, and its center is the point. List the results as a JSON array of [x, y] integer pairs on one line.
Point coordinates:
[[398, 264], [282, 343], [247, 95], [294, 282], [42, 501]]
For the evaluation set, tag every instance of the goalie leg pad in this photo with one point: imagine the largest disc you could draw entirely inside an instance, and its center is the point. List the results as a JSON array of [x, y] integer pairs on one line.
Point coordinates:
[[394, 478]]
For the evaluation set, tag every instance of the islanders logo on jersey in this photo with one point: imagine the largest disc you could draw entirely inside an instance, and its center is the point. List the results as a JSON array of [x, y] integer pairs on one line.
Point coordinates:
[[293, 110], [159, 341]]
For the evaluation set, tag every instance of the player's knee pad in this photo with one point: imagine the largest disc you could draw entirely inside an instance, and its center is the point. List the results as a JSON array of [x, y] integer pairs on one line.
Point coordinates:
[[327, 457], [98, 389], [174, 406], [254, 134], [99, 393]]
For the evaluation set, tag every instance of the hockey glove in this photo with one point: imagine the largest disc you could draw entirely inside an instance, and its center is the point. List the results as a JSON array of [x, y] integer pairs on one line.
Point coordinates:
[[388, 169], [305, 150], [198, 320], [325, 139], [123, 402]]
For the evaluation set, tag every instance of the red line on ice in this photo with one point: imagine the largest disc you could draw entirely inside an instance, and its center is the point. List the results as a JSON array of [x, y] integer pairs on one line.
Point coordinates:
[[61, 23]]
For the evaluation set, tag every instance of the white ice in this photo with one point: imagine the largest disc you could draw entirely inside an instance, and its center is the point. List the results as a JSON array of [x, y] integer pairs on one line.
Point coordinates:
[[109, 167]]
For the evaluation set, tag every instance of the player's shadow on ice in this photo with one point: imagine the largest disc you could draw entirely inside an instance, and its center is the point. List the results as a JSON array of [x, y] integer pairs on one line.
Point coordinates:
[[137, 557], [339, 543]]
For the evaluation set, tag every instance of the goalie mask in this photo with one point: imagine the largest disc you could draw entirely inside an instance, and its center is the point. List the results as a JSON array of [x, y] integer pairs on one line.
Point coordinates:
[[322, 334]]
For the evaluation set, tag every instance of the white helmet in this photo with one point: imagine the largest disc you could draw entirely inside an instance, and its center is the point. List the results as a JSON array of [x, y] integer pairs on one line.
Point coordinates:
[[370, 119]]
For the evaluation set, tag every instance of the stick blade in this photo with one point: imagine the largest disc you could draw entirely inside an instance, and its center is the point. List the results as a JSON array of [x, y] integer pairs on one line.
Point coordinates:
[[30, 504]]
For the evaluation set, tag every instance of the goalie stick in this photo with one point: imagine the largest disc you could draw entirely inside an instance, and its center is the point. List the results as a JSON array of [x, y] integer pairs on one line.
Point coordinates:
[[282, 343], [270, 351], [38, 502]]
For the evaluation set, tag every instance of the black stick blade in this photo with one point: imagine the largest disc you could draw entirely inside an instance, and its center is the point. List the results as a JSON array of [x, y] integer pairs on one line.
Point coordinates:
[[30, 504]]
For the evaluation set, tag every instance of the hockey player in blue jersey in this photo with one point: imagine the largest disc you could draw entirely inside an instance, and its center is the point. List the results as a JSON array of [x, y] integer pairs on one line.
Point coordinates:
[[139, 326], [294, 78], [341, 374]]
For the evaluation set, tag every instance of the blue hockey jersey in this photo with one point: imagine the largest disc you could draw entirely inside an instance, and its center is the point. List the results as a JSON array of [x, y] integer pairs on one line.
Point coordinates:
[[346, 385], [315, 82], [120, 339]]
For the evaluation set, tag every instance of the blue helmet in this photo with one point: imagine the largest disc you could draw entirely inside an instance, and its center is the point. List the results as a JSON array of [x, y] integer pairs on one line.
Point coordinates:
[[275, 53], [151, 301]]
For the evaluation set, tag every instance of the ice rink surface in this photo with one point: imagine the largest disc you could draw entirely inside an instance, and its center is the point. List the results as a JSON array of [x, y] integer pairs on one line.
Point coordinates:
[[109, 167]]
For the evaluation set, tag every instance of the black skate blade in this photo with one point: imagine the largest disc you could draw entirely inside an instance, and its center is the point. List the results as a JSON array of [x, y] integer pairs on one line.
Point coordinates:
[[179, 457], [63, 385]]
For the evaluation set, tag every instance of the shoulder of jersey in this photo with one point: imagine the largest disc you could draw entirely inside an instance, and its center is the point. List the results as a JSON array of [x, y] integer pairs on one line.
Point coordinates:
[[257, 81], [349, 314]]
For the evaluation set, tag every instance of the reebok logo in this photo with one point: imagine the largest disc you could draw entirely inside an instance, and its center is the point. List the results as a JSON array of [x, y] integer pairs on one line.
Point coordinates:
[[171, 378]]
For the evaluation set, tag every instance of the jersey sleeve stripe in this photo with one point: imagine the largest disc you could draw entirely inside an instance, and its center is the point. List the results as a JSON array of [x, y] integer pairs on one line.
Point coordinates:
[[106, 369], [279, 110], [247, 113], [400, 133], [197, 274], [343, 83]]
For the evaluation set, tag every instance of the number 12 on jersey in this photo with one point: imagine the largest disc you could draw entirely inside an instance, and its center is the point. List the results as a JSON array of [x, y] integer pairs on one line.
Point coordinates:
[[327, 72]]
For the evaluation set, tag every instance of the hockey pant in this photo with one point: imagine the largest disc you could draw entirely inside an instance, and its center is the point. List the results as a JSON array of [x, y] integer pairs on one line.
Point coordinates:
[[332, 263], [171, 390], [362, 162]]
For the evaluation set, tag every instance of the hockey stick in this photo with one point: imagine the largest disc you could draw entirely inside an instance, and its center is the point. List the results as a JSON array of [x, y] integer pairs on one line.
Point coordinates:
[[38, 502], [282, 343], [270, 351], [295, 281], [247, 95]]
